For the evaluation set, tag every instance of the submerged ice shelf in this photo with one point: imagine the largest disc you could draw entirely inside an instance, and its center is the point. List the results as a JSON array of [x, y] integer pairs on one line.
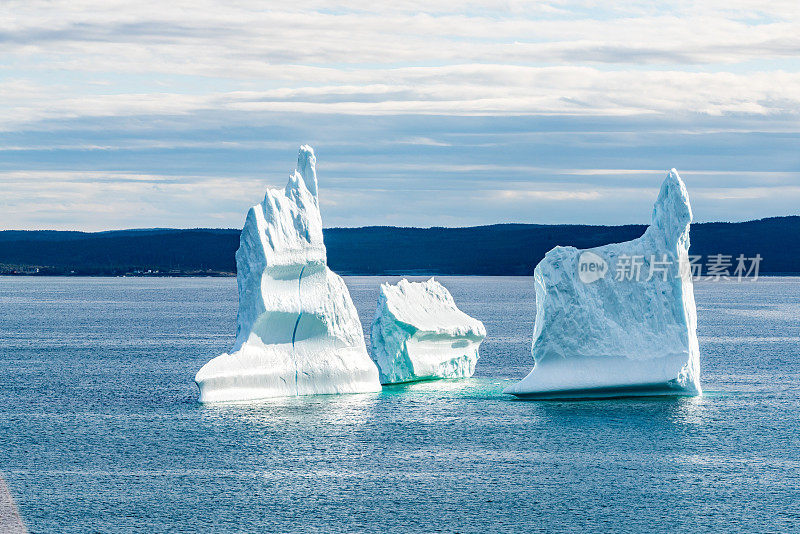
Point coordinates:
[[420, 334], [297, 330], [619, 319]]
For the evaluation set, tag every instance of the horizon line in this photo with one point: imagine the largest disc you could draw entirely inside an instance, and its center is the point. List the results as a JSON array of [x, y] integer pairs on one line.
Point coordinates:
[[221, 229]]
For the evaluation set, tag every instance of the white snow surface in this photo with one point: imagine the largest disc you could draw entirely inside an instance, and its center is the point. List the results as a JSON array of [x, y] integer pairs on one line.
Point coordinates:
[[601, 336], [297, 330], [420, 334]]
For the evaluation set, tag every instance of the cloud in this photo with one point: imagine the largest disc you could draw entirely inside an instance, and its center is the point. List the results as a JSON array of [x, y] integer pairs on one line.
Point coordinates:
[[482, 57], [504, 195], [121, 113], [452, 90]]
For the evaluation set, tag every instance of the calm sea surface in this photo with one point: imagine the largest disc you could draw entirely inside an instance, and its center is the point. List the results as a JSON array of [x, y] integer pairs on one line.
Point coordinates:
[[100, 430]]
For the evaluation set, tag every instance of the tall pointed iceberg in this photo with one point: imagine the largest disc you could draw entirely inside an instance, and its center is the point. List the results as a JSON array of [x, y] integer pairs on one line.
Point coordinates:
[[297, 331], [619, 319]]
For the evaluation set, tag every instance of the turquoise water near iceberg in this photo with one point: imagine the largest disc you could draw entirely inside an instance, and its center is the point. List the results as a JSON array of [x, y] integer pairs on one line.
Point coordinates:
[[100, 430]]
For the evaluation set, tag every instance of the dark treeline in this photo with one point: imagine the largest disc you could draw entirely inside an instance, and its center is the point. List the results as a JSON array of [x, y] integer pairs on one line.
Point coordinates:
[[503, 249]]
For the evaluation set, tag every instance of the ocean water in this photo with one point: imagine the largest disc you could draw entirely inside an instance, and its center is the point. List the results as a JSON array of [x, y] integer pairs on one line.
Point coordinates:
[[100, 430]]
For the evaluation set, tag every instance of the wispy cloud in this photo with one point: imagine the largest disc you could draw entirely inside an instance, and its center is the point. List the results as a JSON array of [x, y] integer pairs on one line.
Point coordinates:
[[453, 90]]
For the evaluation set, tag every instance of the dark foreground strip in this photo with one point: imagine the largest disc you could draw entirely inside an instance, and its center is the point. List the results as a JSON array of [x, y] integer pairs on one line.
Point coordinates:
[[10, 520]]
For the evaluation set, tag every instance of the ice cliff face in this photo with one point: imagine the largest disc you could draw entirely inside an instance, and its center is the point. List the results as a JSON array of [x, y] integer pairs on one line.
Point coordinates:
[[619, 318], [419, 334], [297, 331]]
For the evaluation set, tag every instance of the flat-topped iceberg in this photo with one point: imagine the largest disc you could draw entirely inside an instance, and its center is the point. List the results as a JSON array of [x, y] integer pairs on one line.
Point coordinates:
[[297, 331], [419, 334], [619, 319]]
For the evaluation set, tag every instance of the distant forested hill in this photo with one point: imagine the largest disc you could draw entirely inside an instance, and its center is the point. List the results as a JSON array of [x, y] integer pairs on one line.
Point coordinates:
[[502, 249]]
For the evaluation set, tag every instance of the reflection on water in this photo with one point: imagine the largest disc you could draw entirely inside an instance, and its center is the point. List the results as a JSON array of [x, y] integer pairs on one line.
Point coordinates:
[[691, 410], [338, 410]]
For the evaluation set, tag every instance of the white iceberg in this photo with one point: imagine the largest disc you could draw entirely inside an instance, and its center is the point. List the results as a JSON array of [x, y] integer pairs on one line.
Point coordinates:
[[419, 334], [297, 331], [619, 319]]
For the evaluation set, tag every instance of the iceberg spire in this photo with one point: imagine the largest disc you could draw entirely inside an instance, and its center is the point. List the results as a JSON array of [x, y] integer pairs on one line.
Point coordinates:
[[672, 213], [307, 168]]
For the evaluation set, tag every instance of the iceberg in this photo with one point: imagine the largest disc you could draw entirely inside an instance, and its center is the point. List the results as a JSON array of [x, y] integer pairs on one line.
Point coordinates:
[[619, 319], [419, 334], [297, 330]]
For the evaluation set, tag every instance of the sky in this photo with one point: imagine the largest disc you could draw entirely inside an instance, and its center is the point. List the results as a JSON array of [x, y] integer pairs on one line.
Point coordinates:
[[119, 114]]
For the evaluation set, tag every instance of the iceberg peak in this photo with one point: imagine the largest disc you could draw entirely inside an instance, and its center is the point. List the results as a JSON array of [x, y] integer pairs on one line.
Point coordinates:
[[672, 213], [307, 168]]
